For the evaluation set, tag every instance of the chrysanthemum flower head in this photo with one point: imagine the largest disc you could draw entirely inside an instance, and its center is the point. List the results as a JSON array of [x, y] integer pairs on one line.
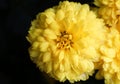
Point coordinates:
[[109, 10], [65, 41], [110, 59], [109, 3]]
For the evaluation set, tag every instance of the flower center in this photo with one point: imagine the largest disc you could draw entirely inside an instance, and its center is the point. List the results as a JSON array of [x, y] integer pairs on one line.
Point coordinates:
[[64, 41]]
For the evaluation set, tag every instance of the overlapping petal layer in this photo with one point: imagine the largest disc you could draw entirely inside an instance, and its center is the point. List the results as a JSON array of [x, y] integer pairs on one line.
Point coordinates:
[[110, 60], [109, 10]]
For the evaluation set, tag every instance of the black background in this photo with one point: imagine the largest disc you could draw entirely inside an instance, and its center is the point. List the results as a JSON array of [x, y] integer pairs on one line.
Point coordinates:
[[15, 20]]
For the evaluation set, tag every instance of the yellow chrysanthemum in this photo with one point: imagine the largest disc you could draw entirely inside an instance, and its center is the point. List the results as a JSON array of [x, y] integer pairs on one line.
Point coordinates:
[[109, 3], [110, 59], [65, 41], [109, 10]]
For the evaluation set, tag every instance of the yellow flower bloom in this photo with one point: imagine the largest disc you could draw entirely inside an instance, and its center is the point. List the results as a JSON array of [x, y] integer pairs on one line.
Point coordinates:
[[110, 59], [65, 41], [109, 10], [109, 3]]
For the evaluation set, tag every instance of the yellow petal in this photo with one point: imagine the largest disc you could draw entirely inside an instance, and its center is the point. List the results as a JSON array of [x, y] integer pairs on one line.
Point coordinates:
[[44, 46], [46, 57], [49, 34], [61, 55]]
